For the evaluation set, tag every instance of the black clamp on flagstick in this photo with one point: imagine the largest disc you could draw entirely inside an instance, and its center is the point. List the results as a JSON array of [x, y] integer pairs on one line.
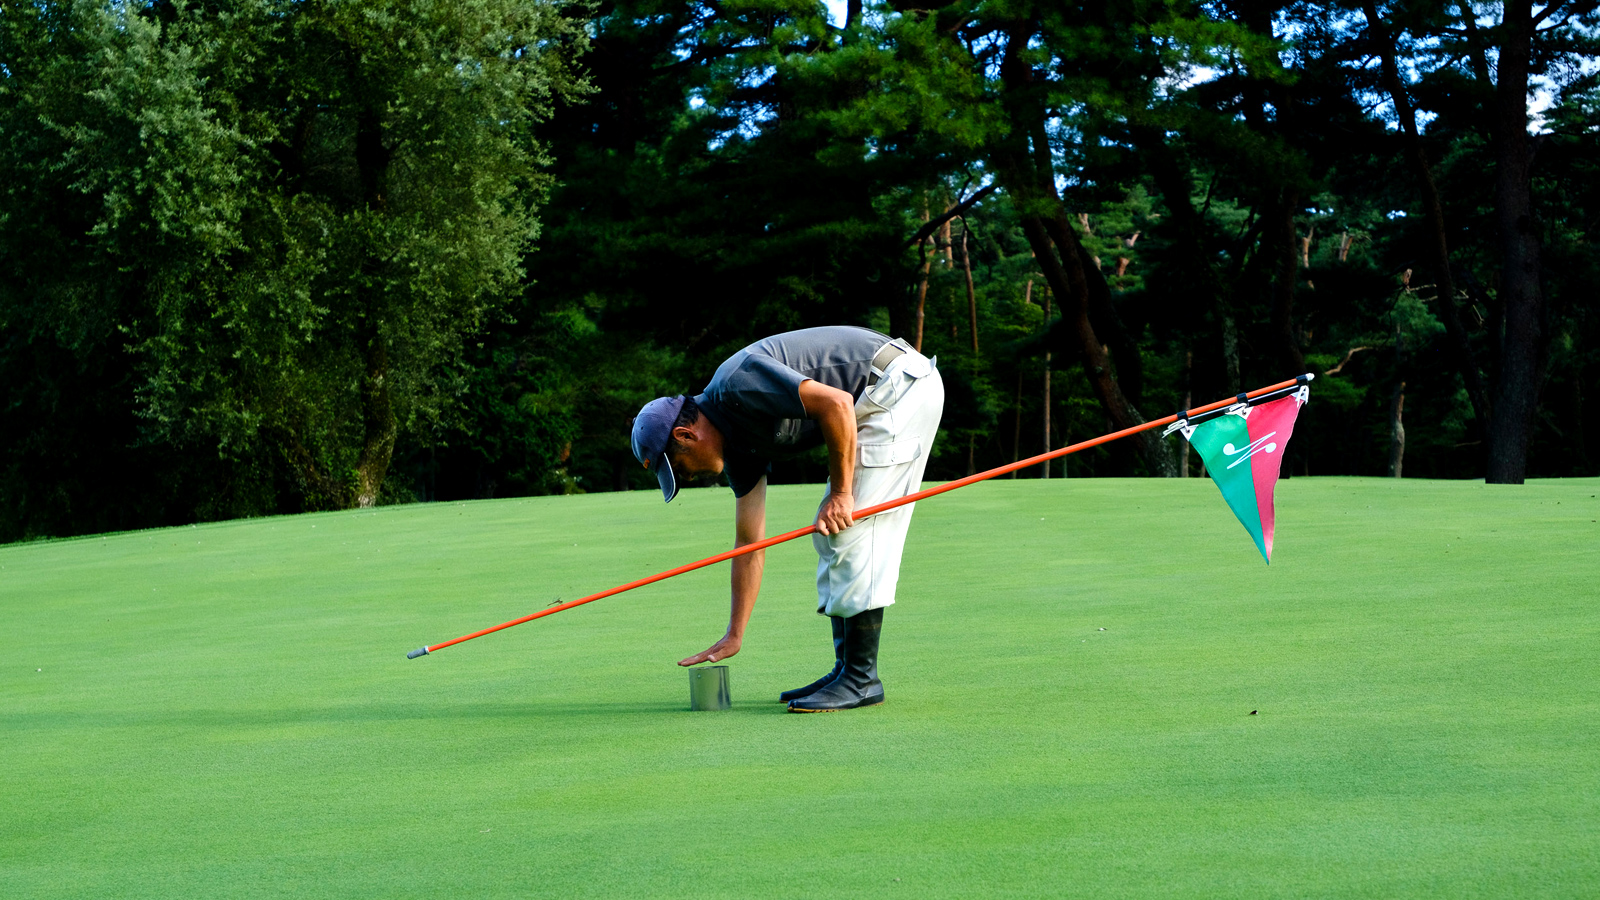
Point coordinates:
[[1182, 417]]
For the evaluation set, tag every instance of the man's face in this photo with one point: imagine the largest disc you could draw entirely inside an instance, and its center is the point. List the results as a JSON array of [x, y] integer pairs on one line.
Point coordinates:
[[699, 451]]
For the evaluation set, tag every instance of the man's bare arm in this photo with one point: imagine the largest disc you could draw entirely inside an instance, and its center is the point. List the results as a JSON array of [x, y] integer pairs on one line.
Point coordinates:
[[835, 414], [749, 526]]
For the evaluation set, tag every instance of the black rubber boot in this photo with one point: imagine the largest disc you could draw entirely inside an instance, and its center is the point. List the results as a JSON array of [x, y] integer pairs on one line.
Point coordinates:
[[857, 683], [838, 663]]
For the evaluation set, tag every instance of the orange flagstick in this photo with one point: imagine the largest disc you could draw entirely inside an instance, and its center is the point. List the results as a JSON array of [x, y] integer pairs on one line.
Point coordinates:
[[874, 510]]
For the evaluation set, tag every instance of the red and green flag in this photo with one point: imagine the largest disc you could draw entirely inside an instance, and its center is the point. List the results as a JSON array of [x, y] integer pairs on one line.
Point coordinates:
[[1242, 449]]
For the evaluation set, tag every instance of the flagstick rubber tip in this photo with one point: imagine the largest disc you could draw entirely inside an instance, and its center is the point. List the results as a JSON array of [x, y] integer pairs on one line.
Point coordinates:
[[420, 651]]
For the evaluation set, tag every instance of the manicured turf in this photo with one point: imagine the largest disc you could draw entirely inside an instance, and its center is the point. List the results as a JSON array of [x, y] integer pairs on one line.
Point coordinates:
[[227, 711]]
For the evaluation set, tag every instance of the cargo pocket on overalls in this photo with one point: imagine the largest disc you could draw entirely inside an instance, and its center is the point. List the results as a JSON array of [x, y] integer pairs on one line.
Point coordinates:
[[882, 456]]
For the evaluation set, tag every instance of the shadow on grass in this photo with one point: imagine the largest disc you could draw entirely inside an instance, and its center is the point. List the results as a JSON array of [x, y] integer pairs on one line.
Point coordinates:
[[367, 712]]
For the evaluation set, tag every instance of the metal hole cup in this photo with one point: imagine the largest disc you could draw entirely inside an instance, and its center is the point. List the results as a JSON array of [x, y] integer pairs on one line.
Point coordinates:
[[708, 688]]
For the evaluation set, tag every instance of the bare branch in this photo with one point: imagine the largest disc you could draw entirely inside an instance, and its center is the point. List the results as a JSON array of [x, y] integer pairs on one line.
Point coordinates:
[[1352, 352], [935, 223], [1547, 12]]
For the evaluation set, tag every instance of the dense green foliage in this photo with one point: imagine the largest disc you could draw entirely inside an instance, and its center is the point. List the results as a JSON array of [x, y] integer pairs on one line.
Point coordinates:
[[262, 256], [230, 713], [245, 242]]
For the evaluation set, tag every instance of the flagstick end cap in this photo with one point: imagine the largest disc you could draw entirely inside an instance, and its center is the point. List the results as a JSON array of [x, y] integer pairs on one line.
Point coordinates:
[[420, 651]]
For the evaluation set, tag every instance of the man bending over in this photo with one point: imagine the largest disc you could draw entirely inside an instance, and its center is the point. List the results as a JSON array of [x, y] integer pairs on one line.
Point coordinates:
[[875, 403]]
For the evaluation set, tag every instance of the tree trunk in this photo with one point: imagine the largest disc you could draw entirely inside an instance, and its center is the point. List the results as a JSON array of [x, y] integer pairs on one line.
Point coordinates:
[[1475, 52], [922, 291], [1063, 271], [1123, 261], [1524, 342], [1046, 465], [1016, 436], [972, 296], [1288, 248], [1109, 326], [1397, 402], [947, 243], [372, 158], [1096, 361], [1440, 245], [922, 282], [1196, 270], [1580, 425], [378, 419], [377, 402], [323, 492], [1029, 179], [1016, 420], [1279, 242], [1230, 349], [1188, 398], [1397, 430]]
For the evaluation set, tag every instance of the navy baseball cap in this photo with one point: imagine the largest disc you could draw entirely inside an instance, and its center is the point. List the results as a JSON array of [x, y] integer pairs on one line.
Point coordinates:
[[652, 431]]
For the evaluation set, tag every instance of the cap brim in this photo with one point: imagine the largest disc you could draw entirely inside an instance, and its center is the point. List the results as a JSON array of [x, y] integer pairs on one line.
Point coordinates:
[[668, 481]]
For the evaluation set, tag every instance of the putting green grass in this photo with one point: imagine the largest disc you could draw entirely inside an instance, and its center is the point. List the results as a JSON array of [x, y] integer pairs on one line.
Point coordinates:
[[227, 710]]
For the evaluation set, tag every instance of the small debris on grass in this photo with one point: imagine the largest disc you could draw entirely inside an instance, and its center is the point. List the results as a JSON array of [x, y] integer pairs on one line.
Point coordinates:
[[1254, 711]]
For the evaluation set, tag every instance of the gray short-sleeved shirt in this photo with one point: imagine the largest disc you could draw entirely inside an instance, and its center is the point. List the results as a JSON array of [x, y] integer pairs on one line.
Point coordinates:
[[754, 397]]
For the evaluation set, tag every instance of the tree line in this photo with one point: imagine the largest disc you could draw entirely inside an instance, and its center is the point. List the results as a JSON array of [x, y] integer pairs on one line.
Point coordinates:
[[264, 256]]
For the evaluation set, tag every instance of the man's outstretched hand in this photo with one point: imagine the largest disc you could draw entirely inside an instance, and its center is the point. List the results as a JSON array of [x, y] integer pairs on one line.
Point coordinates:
[[837, 513], [721, 650]]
